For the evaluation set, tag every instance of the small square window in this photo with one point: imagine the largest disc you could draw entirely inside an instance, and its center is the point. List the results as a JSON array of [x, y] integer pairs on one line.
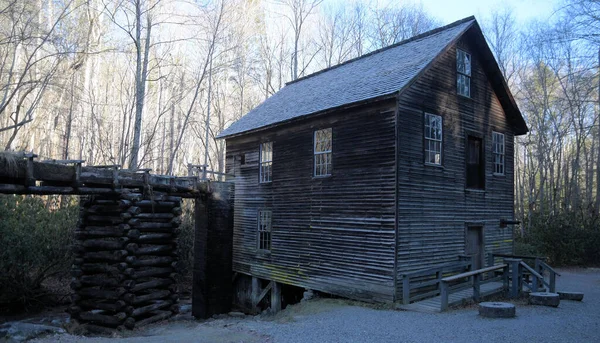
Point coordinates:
[[463, 73], [322, 152], [266, 162], [264, 230], [498, 146], [433, 139]]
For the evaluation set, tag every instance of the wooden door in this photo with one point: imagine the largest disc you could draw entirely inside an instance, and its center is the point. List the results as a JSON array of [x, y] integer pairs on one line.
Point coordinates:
[[475, 163], [474, 245]]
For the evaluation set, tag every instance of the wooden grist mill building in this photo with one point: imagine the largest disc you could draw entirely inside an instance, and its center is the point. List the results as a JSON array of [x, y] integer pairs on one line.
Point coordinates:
[[351, 178]]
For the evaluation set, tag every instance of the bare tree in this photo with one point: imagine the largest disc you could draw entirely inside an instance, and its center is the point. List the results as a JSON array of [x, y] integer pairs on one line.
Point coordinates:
[[30, 56], [394, 24], [299, 10]]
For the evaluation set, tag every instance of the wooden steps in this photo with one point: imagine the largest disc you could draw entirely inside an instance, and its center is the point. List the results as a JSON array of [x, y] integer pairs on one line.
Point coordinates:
[[433, 305]]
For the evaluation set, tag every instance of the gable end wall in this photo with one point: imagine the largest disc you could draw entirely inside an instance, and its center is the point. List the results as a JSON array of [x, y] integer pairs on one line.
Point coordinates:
[[433, 204]]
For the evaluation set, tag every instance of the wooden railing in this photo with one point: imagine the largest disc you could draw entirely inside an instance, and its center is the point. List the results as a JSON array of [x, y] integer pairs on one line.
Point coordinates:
[[426, 283], [475, 278], [536, 278], [540, 267]]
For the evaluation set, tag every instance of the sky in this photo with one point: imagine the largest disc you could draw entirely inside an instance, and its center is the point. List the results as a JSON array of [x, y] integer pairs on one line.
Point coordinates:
[[451, 10]]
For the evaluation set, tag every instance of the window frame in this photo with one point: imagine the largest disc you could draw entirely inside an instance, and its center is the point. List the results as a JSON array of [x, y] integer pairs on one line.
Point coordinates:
[[265, 163], [318, 154], [501, 154], [427, 140], [262, 239], [466, 74]]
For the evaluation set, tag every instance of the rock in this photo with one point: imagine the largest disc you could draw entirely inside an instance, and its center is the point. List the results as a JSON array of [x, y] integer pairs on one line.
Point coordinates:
[[19, 332], [236, 314], [308, 294], [497, 310], [185, 308], [576, 296], [544, 299]]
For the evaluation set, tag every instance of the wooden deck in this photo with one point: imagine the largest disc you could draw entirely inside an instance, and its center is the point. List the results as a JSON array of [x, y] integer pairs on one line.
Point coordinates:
[[433, 305]]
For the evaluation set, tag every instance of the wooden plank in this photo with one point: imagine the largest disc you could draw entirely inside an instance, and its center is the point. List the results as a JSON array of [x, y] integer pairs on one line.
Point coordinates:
[[472, 273]]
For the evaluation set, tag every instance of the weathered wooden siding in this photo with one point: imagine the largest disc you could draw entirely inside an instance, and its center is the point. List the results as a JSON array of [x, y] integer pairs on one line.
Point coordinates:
[[434, 205], [333, 234]]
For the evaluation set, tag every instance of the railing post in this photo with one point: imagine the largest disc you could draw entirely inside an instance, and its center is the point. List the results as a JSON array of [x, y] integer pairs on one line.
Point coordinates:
[[538, 266], [444, 296], [438, 277], [405, 289], [534, 283], [505, 272], [476, 286], [515, 271], [552, 281], [490, 259]]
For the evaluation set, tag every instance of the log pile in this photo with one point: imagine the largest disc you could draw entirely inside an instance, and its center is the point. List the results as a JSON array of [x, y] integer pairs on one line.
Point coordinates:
[[125, 268]]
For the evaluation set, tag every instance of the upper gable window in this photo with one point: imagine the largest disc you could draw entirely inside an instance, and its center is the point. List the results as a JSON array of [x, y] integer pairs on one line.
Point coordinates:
[[498, 152], [266, 162], [463, 75], [433, 139], [322, 152]]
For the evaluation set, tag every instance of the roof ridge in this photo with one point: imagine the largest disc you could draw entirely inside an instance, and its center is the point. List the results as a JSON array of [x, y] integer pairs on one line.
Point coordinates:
[[408, 40]]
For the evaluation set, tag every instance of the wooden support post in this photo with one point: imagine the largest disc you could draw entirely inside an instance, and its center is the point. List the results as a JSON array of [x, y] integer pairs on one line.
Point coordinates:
[[444, 294], [200, 280], [255, 293], [490, 259], [534, 283], [406, 290], [552, 282], [515, 270], [505, 272], [30, 179], [275, 297], [476, 287], [538, 266]]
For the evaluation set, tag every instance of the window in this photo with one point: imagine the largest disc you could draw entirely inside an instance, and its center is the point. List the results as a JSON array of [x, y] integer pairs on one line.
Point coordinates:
[[322, 150], [463, 75], [498, 152], [264, 230], [475, 163], [433, 139], [266, 162]]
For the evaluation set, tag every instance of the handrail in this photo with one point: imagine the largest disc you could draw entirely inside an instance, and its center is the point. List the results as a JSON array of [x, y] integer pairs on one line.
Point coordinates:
[[531, 270], [432, 270], [536, 275], [476, 278], [550, 269], [543, 265], [474, 272], [435, 272], [525, 257]]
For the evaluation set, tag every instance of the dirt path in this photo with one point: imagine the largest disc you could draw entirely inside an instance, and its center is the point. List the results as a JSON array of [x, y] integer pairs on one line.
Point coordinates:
[[327, 320]]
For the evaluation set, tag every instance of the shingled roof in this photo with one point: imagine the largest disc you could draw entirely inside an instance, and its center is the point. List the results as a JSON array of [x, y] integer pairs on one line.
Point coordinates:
[[378, 74]]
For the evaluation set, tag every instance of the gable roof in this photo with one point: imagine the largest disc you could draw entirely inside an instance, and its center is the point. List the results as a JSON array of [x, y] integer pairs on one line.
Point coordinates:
[[381, 73]]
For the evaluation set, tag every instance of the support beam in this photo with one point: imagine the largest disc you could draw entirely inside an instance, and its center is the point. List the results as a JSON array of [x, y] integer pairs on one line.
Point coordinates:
[[264, 292], [255, 293], [275, 297]]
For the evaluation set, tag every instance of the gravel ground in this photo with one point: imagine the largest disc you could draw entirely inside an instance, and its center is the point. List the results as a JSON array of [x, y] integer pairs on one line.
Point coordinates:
[[329, 320]]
